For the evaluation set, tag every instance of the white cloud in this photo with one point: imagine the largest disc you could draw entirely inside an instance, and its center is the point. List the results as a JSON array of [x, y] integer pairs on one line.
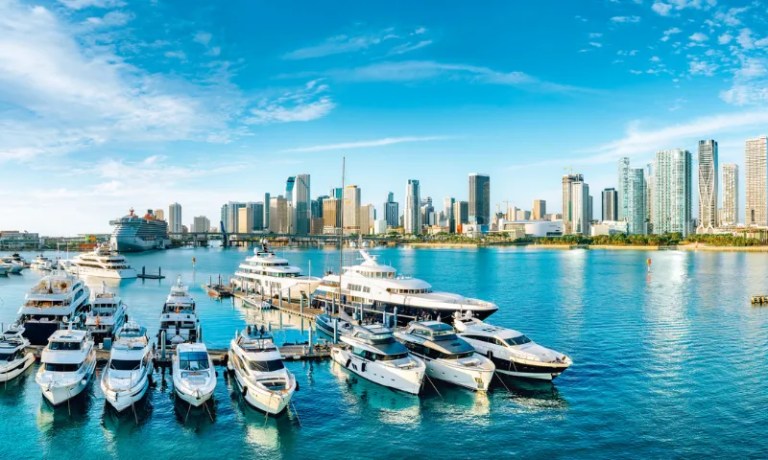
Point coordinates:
[[745, 39], [750, 84], [669, 32], [698, 37], [595, 35], [180, 55], [730, 17], [725, 38], [308, 103], [80, 4], [367, 144], [662, 8], [408, 47], [625, 19], [697, 67], [342, 44], [596, 44], [203, 38]]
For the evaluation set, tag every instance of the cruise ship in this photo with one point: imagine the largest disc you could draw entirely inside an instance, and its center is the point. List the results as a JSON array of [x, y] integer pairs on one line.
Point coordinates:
[[135, 234], [266, 274], [103, 262]]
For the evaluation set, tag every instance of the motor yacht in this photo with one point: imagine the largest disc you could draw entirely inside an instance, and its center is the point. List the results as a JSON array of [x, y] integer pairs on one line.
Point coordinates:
[[52, 302], [376, 288], [127, 376], [194, 377], [448, 357], [259, 372], [14, 359], [67, 365], [511, 351], [373, 353], [326, 324], [268, 275], [107, 315], [179, 319], [12, 266], [4, 269], [103, 262], [42, 263], [16, 257]]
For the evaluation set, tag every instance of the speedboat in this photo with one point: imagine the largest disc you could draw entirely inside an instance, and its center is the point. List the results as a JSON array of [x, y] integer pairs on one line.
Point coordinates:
[[126, 378], [178, 320], [14, 359], [67, 365], [258, 368], [373, 353], [107, 315], [511, 351], [268, 275], [41, 263], [103, 262], [53, 302], [194, 378], [448, 357]]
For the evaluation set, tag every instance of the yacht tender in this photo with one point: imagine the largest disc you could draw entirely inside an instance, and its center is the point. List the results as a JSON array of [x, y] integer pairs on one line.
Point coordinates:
[[266, 274], [179, 319], [103, 262], [14, 359], [194, 378], [54, 301], [67, 365], [127, 376]]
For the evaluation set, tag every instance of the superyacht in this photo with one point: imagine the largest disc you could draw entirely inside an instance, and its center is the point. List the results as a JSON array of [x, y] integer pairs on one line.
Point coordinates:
[[103, 262], [54, 301], [108, 312], [135, 234], [178, 319], [268, 275]]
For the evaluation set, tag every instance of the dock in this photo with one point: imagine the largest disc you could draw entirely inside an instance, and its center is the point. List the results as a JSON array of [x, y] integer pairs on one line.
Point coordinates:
[[300, 309], [148, 276]]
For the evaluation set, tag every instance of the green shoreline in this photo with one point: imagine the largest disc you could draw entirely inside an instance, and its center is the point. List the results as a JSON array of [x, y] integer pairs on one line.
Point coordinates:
[[609, 247]]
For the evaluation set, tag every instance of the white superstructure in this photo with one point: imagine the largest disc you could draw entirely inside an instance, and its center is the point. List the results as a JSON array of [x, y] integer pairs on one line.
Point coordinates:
[[14, 359], [103, 262], [266, 274], [107, 315], [179, 318], [127, 376], [67, 365], [55, 300], [42, 263], [194, 378]]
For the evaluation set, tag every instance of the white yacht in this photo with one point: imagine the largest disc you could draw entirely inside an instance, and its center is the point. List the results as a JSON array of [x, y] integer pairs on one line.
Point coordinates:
[[13, 267], [54, 301], [378, 288], [448, 357], [266, 274], [194, 377], [67, 365], [511, 351], [127, 376], [107, 315], [259, 372], [4, 269], [179, 318], [373, 353], [42, 263], [103, 262], [14, 359], [326, 324]]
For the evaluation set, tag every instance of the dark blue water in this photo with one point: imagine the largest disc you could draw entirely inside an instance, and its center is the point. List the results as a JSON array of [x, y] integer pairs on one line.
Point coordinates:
[[671, 363]]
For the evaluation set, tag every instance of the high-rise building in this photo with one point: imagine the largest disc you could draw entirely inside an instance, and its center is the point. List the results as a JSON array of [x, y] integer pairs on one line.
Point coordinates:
[[289, 185], [159, 214], [672, 192], [201, 224], [331, 214], [351, 209], [317, 206], [267, 205], [278, 215], [257, 219], [391, 211], [623, 188], [756, 175], [539, 209], [580, 208], [450, 221], [245, 220], [708, 186], [427, 212], [301, 204], [610, 204], [479, 199], [337, 192], [367, 218], [174, 218], [635, 193], [648, 175], [230, 216], [460, 214], [412, 215], [730, 214], [568, 212]]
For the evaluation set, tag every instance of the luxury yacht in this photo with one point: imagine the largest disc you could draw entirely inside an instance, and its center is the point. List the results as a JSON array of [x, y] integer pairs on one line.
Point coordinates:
[[54, 301], [16, 257], [373, 353], [13, 267], [14, 359], [266, 274], [103, 262], [108, 313], [448, 357], [179, 319], [42, 263], [67, 365], [258, 368], [194, 378], [378, 288], [326, 323], [127, 376], [511, 351]]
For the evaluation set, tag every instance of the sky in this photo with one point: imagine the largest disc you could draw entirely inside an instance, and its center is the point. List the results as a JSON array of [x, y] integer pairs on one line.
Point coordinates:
[[111, 104]]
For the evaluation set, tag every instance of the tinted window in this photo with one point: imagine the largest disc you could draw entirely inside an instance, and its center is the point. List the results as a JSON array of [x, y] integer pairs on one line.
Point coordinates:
[[53, 367], [267, 366], [7, 356], [64, 346], [193, 361], [124, 364], [519, 340]]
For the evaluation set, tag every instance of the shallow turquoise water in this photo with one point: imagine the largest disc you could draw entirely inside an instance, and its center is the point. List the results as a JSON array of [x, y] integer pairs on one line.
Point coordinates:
[[671, 363]]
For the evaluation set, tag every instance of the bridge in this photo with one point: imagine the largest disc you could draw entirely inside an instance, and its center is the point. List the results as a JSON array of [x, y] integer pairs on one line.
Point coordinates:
[[276, 239]]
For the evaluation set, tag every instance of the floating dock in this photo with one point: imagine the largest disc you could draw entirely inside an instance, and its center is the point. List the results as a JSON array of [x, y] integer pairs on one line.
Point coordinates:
[[148, 276], [300, 309], [759, 300]]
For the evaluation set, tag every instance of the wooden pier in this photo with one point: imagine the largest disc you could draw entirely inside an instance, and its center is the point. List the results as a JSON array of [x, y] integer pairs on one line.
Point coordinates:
[[300, 309]]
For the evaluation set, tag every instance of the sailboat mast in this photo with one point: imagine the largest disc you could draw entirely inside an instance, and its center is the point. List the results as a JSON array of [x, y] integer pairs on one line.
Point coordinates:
[[341, 230]]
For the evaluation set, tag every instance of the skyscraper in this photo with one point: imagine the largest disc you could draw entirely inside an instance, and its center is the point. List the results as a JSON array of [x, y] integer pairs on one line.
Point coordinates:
[[460, 214], [391, 211], [351, 209], [412, 215], [201, 224], [301, 204], [289, 184], [159, 214], [267, 205], [610, 204], [580, 208], [756, 175], [568, 212], [730, 214], [539, 209], [174, 218], [367, 217], [450, 222], [708, 186], [672, 192], [278, 215], [623, 204], [245, 220], [331, 214], [635, 193], [479, 199], [257, 219]]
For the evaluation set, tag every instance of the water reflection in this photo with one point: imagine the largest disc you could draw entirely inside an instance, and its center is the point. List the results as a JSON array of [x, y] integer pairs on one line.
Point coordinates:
[[531, 394]]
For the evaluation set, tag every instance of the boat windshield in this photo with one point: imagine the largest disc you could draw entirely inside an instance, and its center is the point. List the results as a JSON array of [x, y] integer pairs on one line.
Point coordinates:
[[56, 367], [7, 356], [64, 346], [124, 364], [266, 366], [391, 357], [193, 361], [459, 355], [519, 340]]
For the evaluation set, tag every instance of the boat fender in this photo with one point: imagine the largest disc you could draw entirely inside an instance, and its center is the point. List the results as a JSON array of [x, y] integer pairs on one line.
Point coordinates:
[[348, 361]]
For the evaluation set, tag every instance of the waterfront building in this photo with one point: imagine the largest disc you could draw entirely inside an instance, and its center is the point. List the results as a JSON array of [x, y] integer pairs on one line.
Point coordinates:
[[289, 185], [539, 209], [317, 206], [391, 211], [427, 213], [522, 214], [648, 175], [316, 226], [379, 227], [257, 221], [609, 227], [448, 218], [672, 192], [580, 208], [351, 209], [174, 218], [278, 215], [636, 209], [756, 175], [623, 188], [301, 204], [708, 186], [367, 217], [159, 214], [479, 199], [412, 215], [730, 212], [201, 224], [461, 214], [267, 202], [245, 219], [337, 192], [568, 211], [610, 204], [230, 215], [331, 213]]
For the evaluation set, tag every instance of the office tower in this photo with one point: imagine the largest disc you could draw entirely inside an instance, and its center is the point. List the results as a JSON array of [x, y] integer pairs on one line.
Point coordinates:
[[730, 214], [257, 218], [201, 224], [648, 176], [568, 212], [412, 214], [450, 221], [636, 209], [230, 216], [289, 185], [610, 204], [351, 209], [391, 211], [159, 214], [317, 206], [460, 214], [278, 215], [427, 212], [223, 218], [337, 192], [708, 186], [479, 199], [245, 220], [590, 208], [756, 175], [580, 208], [301, 204], [672, 192], [539, 209], [331, 213], [367, 218], [174, 218], [623, 189], [267, 204]]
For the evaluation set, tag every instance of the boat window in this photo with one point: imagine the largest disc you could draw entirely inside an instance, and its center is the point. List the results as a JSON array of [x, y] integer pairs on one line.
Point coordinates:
[[56, 367], [267, 366], [459, 355], [519, 340], [124, 364], [64, 346], [7, 356], [392, 357], [193, 361]]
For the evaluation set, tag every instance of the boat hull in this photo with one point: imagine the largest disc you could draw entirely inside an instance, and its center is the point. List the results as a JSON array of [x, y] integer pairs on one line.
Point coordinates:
[[527, 371], [38, 332], [194, 400], [474, 379], [123, 399], [14, 370], [266, 401], [59, 394], [397, 379]]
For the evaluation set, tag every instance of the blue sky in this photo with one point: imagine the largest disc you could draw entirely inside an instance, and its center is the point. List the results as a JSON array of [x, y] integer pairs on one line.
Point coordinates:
[[108, 104]]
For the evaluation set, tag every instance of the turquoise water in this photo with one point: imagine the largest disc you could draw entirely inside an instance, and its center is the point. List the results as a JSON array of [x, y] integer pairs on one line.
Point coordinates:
[[668, 363]]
